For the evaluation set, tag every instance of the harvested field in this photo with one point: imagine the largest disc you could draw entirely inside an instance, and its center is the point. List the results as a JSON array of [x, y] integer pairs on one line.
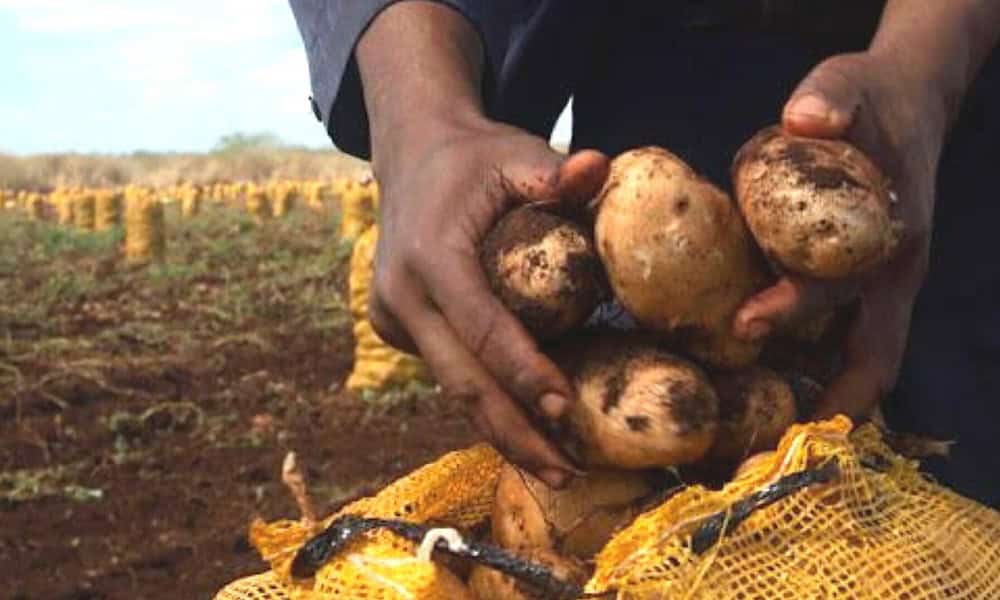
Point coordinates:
[[146, 411]]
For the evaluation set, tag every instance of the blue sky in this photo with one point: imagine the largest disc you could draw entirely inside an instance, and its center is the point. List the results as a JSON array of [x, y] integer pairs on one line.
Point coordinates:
[[124, 75]]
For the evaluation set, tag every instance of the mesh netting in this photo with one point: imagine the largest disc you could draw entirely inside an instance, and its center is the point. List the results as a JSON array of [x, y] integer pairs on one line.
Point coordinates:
[[457, 490], [879, 530], [358, 203], [873, 528]]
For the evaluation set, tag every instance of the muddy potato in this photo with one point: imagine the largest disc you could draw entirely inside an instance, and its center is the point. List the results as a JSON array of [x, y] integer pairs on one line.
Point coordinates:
[[576, 521], [637, 405], [753, 462], [677, 254], [545, 269], [817, 207], [489, 584], [756, 406]]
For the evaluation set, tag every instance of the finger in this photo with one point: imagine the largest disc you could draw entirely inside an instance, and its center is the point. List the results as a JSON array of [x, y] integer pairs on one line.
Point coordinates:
[[872, 355], [826, 102], [792, 300], [581, 177], [496, 414], [854, 393], [388, 328], [494, 336], [549, 177]]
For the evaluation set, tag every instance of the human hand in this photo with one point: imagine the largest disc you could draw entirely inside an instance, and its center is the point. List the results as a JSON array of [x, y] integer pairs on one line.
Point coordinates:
[[865, 100], [442, 192]]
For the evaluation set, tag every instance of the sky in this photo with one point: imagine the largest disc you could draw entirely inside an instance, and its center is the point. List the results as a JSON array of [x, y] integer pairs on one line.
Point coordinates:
[[117, 76]]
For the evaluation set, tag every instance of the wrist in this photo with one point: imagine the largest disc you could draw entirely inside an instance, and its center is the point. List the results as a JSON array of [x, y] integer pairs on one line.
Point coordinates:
[[937, 48], [421, 66], [403, 140]]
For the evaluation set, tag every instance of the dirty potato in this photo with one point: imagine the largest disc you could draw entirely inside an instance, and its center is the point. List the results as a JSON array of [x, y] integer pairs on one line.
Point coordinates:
[[637, 405], [545, 269], [817, 207], [678, 255]]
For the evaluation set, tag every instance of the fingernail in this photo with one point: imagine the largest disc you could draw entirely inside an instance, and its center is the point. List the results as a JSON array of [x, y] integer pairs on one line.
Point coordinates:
[[809, 105], [553, 405], [758, 329], [554, 478]]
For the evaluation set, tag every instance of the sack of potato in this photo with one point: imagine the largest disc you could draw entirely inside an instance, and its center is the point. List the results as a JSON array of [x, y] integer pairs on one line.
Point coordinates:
[[828, 514], [700, 482], [377, 365]]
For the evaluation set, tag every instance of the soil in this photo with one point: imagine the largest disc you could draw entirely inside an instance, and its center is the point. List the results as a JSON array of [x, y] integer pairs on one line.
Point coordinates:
[[136, 450]]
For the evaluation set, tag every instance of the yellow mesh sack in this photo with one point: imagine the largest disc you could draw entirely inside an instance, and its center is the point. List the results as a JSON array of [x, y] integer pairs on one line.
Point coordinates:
[[145, 228], [876, 529], [258, 205], [284, 196], [107, 209], [358, 203], [34, 206], [456, 490], [63, 200], [191, 200], [83, 211], [879, 530], [377, 365]]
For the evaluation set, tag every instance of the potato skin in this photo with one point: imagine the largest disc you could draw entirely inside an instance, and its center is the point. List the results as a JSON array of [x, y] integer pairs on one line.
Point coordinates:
[[819, 208], [545, 269], [576, 521], [678, 255], [637, 406], [488, 584], [756, 406]]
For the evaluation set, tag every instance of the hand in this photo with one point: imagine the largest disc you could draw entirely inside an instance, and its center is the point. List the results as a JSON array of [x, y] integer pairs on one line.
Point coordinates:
[[441, 195], [863, 99]]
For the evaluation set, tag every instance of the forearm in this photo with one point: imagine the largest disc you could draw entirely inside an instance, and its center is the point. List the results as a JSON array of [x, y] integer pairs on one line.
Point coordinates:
[[422, 67], [938, 46]]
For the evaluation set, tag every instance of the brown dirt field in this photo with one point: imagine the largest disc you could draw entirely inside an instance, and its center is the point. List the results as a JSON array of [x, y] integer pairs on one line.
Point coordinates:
[[144, 414]]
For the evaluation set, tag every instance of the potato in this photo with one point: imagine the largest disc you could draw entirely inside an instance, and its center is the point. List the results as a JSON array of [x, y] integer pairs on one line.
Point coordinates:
[[576, 521], [678, 254], [545, 270], [489, 584], [753, 462], [819, 208], [637, 405], [756, 406]]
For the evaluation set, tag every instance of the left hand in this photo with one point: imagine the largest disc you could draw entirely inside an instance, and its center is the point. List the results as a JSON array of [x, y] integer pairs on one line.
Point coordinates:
[[863, 99]]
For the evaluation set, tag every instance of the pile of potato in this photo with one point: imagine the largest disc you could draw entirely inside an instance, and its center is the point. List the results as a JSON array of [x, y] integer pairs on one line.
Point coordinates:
[[680, 257]]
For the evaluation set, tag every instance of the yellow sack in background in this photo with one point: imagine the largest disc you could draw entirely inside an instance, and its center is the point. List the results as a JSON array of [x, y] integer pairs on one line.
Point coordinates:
[[108, 209], [377, 365], [84, 205], [145, 228], [358, 205], [455, 490], [63, 199], [191, 199], [34, 206]]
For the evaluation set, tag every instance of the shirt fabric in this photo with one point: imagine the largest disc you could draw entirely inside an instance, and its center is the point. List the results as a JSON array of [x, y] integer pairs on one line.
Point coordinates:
[[699, 78]]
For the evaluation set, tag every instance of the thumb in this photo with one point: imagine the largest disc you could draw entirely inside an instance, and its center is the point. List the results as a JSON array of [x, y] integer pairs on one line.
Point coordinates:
[[826, 103], [571, 180]]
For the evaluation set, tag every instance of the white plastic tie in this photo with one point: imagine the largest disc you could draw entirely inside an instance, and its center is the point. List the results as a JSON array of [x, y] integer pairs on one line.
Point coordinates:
[[450, 536]]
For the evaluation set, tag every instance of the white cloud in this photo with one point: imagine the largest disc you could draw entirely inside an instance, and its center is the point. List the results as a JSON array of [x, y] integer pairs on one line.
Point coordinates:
[[173, 75], [223, 18]]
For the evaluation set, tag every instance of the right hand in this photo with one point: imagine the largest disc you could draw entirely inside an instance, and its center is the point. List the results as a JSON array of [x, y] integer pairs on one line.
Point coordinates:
[[441, 195]]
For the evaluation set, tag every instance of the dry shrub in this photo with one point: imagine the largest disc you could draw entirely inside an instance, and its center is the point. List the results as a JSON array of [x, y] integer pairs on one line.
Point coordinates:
[[43, 172]]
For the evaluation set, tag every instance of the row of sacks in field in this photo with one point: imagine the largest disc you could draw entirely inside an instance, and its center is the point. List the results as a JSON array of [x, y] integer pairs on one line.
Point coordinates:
[[140, 208]]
